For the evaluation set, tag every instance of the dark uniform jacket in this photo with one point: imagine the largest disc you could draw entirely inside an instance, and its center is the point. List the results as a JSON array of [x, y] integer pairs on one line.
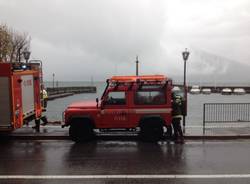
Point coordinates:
[[177, 110]]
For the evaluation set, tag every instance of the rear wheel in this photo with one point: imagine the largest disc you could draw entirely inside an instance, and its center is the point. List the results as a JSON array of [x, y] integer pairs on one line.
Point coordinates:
[[81, 130], [151, 130]]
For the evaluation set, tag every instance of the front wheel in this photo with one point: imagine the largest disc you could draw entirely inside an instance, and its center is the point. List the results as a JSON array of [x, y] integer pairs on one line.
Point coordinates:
[[81, 130]]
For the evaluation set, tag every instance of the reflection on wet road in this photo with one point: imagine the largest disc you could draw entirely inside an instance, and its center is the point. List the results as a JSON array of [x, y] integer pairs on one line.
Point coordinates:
[[42, 158]]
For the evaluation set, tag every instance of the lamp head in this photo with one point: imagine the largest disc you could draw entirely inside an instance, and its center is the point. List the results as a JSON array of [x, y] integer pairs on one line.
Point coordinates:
[[26, 55], [185, 55]]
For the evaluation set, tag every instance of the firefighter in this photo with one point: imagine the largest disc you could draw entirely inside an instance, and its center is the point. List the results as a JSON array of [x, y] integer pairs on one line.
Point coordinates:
[[176, 122], [44, 95], [44, 106], [44, 99], [169, 133]]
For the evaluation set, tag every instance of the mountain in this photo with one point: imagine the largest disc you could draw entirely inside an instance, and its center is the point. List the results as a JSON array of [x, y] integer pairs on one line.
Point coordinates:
[[206, 68]]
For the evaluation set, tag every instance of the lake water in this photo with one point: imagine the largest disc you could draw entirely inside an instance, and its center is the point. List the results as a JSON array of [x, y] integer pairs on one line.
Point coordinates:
[[195, 102]]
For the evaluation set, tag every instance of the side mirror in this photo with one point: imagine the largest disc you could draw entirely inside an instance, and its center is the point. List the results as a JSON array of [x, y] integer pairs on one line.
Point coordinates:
[[97, 102]]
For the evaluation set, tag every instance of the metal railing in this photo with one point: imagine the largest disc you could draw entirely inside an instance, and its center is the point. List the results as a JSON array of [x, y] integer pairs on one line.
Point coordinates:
[[225, 113]]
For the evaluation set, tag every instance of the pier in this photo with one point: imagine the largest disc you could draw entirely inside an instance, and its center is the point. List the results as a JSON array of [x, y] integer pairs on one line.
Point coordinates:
[[60, 92], [217, 89]]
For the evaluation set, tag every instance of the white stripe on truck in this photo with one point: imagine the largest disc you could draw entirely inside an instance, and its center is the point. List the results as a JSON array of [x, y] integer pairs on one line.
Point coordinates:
[[137, 111], [145, 111]]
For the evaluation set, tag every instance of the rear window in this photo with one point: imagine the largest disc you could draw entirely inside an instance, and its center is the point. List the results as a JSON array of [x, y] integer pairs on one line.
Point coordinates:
[[154, 97]]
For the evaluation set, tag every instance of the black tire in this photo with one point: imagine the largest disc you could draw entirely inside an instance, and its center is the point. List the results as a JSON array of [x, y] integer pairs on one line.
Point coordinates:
[[151, 130], [81, 130]]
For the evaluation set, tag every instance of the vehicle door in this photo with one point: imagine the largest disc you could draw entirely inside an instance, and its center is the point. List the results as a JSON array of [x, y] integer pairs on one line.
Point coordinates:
[[115, 110]]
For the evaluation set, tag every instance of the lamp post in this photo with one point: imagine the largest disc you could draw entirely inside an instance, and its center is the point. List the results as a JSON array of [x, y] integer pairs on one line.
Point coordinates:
[[185, 55], [26, 55], [137, 66], [53, 81]]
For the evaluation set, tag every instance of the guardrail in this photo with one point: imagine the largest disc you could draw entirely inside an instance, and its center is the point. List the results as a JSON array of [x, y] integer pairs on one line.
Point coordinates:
[[225, 113]]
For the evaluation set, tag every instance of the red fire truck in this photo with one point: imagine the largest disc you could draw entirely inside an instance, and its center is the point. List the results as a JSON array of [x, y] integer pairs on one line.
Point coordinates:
[[140, 103], [20, 99]]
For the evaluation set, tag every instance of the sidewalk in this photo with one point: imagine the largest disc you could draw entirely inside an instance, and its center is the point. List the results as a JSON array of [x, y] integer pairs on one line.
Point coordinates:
[[192, 132], [218, 130]]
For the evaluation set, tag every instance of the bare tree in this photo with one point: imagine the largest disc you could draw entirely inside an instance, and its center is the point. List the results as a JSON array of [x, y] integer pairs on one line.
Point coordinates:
[[19, 42], [5, 44], [12, 44]]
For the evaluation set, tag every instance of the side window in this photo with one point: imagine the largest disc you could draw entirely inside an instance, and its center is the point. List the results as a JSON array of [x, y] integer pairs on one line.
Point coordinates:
[[116, 98], [150, 97]]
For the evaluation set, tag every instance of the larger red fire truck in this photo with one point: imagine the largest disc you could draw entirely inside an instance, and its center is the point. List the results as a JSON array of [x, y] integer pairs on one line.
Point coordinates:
[[20, 99], [128, 102]]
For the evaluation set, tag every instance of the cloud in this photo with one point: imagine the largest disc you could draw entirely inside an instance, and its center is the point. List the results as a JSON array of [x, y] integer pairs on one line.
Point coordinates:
[[218, 26], [78, 39]]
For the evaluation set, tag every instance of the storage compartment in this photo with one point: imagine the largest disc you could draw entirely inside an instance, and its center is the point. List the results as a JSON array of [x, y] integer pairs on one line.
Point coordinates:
[[5, 102], [27, 94]]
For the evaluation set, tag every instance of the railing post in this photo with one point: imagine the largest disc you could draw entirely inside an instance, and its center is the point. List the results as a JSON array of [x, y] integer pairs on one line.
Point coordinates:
[[204, 105]]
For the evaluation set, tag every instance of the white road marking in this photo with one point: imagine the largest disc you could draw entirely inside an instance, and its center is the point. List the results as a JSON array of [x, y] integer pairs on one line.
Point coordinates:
[[167, 176]]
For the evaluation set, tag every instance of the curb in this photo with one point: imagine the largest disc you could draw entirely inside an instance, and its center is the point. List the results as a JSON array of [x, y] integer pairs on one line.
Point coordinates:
[[24, 137], [120, 137], [216, 137]]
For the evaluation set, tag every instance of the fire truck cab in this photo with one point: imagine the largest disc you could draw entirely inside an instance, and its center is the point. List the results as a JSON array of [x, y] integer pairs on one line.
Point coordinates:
[[20, 99], [140, 103]]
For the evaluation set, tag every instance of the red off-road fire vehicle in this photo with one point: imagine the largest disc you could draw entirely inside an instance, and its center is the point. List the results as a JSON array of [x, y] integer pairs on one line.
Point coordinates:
[[128, 103]]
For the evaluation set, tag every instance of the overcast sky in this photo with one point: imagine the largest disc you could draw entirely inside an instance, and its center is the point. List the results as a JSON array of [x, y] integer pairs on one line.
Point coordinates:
[[77, 39]]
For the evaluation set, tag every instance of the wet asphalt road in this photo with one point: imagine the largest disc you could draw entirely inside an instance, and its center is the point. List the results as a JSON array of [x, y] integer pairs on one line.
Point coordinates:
[[125, 158]]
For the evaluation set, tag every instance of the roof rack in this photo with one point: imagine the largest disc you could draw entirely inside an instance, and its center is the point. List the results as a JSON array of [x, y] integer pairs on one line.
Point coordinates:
[[143, 78]]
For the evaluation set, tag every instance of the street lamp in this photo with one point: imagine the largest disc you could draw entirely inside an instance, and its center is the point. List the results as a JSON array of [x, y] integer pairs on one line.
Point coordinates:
[[53, 81], [185, 55], [137, 66], [26, 55]]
